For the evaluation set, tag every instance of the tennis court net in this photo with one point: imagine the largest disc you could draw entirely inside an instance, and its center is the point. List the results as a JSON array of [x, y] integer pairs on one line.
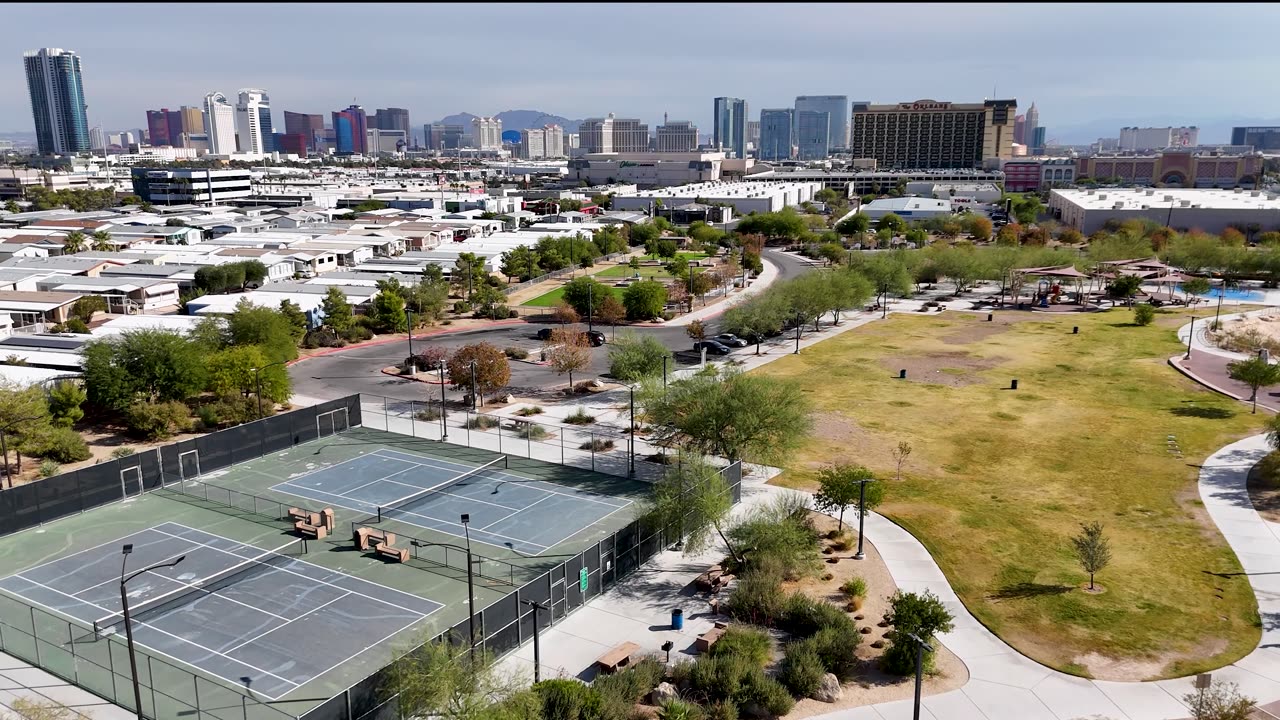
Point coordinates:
[[265, 562], [388, 509]]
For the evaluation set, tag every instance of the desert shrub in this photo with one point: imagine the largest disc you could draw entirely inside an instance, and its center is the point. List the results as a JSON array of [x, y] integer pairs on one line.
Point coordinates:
[[678, 709], [580, 417], [512, 313], [76, 325], [318, 338], [631, 685], [1144, 314], [854, 587], [530, 411], [597, 445], [746, 642], [462, 307], [835, 646], [57, 328], [780, 529], [720, 710], [1244, 341], [765, 693], [841, 542], [516, 353], [208, 415], [803, 616], [357, 333], [482, 422], [922, 614], [122, 452], [756, 599], [49, 468], [156, 421], [428, 413], [236, 409], [431, 357], [529, 431], [801, 670], [567, 699]]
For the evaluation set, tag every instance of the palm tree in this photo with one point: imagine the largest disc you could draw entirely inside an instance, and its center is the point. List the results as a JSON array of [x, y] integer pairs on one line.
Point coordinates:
[[74, 242], [102, 241]]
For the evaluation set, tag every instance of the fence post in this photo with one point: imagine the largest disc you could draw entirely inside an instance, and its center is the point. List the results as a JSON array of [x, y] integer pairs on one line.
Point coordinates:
[[593, 451], [499, 437], [562, 432], [386, 414], [467, 425], [413, 427], [528, 429]]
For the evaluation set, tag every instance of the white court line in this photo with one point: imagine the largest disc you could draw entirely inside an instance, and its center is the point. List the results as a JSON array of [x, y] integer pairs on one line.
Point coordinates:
[[166, 632], [330, 467], [116, 580], [80, 552], [446, 493], [570, 535], [367, 648], [387, 477], [264, 634], [517, 512], [370, 509]]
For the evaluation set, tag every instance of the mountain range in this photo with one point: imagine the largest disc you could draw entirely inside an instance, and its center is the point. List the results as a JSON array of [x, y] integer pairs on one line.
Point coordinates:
[[517, 120]]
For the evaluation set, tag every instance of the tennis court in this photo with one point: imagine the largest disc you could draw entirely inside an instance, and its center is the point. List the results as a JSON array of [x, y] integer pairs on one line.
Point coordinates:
[[257, 617], [505, 510]]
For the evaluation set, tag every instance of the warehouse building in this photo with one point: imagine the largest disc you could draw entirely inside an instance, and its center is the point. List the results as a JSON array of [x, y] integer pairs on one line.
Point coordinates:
[[1183, 209]]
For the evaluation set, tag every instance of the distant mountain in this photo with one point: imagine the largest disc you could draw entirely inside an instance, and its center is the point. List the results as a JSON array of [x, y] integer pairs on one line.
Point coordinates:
[[517, 120]]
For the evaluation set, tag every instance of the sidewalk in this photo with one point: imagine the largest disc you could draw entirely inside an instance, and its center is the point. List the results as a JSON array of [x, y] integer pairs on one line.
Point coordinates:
[[1208, 364], [20, 680], [762, 281]]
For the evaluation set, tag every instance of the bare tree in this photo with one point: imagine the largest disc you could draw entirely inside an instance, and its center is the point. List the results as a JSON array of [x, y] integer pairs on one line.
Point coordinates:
[[900, 454], [1220, 701], [568, 350]]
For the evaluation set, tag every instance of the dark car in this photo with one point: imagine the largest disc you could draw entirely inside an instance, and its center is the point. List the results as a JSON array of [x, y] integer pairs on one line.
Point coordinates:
[[713, 347], [730, 339], [595, 338]]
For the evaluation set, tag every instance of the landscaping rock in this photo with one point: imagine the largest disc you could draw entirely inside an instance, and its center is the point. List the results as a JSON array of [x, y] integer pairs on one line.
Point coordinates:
[[596, 384], [507, 399], [829, 689], [663, 693]]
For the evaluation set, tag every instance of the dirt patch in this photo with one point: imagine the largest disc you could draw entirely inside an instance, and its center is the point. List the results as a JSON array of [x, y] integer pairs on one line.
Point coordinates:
[[977, 331], [1142, 669], [953, 368], [871, 685]]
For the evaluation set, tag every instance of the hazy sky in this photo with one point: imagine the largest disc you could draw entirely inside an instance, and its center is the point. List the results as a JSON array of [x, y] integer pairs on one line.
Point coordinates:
[[1081, 64]]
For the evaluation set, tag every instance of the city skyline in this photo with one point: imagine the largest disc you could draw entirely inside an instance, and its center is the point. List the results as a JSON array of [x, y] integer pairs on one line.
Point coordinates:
[[1073, 83]]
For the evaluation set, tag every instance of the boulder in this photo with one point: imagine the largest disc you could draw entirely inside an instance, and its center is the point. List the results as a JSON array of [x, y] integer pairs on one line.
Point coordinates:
[[596, 384], [662, 694], [507, 399], [829, 689]]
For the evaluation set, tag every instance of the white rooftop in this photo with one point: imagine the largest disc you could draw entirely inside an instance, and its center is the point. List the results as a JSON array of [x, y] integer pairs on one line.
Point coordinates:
[[1135, 198]]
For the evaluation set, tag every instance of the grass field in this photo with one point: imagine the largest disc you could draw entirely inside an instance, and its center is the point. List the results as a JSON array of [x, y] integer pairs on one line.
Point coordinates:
[[999, 480], [553, 297], [647, 272]]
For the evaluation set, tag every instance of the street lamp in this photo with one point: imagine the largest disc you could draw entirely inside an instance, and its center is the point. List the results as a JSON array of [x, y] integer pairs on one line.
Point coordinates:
[[862, 514], [444, 420], [1190, 335], [128, 623], [257, 378], [537, 655], [921, 646], [471, 591]]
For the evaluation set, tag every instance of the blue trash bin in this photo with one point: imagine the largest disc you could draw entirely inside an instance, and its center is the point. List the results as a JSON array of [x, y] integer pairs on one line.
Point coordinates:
[[677, 619]]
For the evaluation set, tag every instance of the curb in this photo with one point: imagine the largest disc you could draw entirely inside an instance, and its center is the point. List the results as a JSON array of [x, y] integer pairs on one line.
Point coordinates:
[[1173, 361], [402, 337]]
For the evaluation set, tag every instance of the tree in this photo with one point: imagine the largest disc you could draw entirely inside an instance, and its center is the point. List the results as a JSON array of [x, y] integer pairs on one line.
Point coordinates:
[[387, 312], [586, 295], [231, 370], [468, 273], [336, 309], [101, 241], [758, 317], [564, 313], [633, 357], [265, 327], [703, 283], [857, 225], [492, 370], [521, 262], [1196, 286], [1256, 373], [644, 300], [490, 302], [65, 399], [891, 222], [1026, 208], [1125, 286], [443, 679], [87, 305], [157, 364], [900, 454], [839, 488], [568, 350], [845, 291], [612, 312], [1144, 314], [696, 330], [24, 420], [74, 243], [11, 207], [887, 273], [695, 501], [644, 235], [298, 324], [919, 614], [1093, 551], [731, 414], [1220, 701]]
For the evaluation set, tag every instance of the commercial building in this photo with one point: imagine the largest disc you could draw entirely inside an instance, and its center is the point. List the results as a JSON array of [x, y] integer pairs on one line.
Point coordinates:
[[385, 142], [863, 181], [1037, 141], [931, 134], [392, 119], [1020, 130], [647, 169], [837, 109], [309, 125], [776, 138], [350, 128], [907, 208], [1209, 210], [744, 198], [1030, 174], [438, 136], [543, 142], [158, 127], [1175, 168], [57, 101], [96, 139], [291, 144], [486, 133], [1157, 138], [729, 129], [195, 187], [253, 121], [1030, 127], [813, 134], [190, 122], [219, 124], [676, 136], [1263, 139], [753, 133], [612, 134]]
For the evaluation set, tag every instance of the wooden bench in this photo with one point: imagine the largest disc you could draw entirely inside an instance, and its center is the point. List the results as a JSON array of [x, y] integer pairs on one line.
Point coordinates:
[[367, 537], [393, 553], [618, 657], [306, 516], [709, 638]]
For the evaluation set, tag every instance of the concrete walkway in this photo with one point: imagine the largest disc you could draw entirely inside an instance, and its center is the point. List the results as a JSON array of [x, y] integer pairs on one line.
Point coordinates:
[[20, 680], [762, 281], [1207, 363]]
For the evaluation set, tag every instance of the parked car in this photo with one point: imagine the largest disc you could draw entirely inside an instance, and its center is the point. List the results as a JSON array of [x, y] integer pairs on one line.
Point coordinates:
[[595, 338], [713, 347], [730, 339]]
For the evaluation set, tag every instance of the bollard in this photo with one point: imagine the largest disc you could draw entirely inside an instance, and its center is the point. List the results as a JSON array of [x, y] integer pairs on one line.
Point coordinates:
[[902, 374], [1014, 384], [1075, 329], [991, 316]]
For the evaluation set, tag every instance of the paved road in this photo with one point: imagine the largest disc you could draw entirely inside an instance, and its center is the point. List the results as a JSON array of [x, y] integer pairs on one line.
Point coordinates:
[[358, 369]]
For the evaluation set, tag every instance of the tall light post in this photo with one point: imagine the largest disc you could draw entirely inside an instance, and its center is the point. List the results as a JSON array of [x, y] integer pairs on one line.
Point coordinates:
[[128, 622], [862, 514], [921, 646], [631, 466], [444, 420], [257, 379], [590, 304], [471, 589], [1222, 291], [537, 655], [1190, 335], [409, 316]]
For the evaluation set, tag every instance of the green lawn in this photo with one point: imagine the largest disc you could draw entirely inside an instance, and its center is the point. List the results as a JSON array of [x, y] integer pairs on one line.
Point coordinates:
[[647, 272], [998, 480], [553, 297]]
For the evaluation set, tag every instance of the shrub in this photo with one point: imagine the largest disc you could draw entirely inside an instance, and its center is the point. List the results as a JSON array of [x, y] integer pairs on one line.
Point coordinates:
[[530, 411], [482, 422], [720, 710], [801, 669], [835, 646], [156, 421], [76, 325], [803, 616], [516, 353], [462, 307], [767, 694], [512, 313], [529, 431], [631, 685], [236, 410], [745, 642], [567, 699], [63, 445], [580, 417], [854, 587], [357, 333], [49, 468], [678, 709], [597, 445], [209, 418], [318, 338], [920, 613], [65, 399], [430, 413], [1144, 314], [57, 328], [122, 452], [756, 599]]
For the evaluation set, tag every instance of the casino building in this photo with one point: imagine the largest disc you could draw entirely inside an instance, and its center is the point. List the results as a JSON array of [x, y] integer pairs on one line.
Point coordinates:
[[929, 134]]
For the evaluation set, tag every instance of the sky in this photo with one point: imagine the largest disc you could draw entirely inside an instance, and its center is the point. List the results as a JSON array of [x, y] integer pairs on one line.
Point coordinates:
[[1088, 67]]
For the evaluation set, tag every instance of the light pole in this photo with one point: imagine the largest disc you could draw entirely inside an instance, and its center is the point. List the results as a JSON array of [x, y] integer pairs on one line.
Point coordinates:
[[409, 315], [1190, 335], [1222, 291], [862, 514], [631, 466], [257, 379], [475, 391], [537, 655], [471, 590], [921, 646], [444, 420], [128, 622], [590, 305]]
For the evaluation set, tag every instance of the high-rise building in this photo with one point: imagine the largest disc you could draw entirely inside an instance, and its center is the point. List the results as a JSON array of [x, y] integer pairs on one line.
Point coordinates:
[[191, 120], [253, 122], [572, 141], [776, 125], [1261, 138], [554, 142], [729, 131], [533, 143], [96, 139], [57, 100], [1029, 128], [1157, 138], [1037, 141], [391, 119], [677, 136], [308, 125], [931, 134], [220, 124], [813, 134], [837, 109], [158, 127], [612, 134], [438, 136], [1020, 129], [292, 143], [486, 133], [350, 130], [753, 133]]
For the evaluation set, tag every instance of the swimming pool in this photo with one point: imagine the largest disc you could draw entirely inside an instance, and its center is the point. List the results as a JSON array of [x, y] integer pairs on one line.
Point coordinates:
[[1231, 293]]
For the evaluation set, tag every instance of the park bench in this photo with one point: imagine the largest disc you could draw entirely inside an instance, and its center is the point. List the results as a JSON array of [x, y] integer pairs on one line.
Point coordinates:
[[618, 657], [713, 579], [710, 637], [366, 537]]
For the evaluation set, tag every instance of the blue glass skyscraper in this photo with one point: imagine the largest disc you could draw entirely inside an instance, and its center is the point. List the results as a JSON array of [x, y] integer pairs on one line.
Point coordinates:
[[57, 101]]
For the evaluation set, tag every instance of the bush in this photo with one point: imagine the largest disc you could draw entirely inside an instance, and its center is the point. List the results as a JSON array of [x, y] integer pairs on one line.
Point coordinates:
[[318, 338], [1144, 314], [745, 642], [756, 599], [49, 468], [209, 418], [76, 325], [767, 694], [835, 646], [803, 616], [234, 410], [678, 709], [920, 613], [567, 699], [597, 445], [529, 431], [580, 417], [357, 333], [530, 410], [631, 685], [855, 587], [430, 413], [65, 399], [516, 353], [431, 357], [721, 710], [512, 313], [64, 445], [462, 307], [156, 421], [122, 452], [482, 422], [801, 670]]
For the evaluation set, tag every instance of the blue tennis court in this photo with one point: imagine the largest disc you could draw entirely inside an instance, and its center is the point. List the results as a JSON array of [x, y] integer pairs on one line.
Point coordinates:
[[507, 511]]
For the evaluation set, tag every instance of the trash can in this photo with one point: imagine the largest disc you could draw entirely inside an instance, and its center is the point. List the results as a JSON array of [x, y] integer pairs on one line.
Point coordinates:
[[677, 619]]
